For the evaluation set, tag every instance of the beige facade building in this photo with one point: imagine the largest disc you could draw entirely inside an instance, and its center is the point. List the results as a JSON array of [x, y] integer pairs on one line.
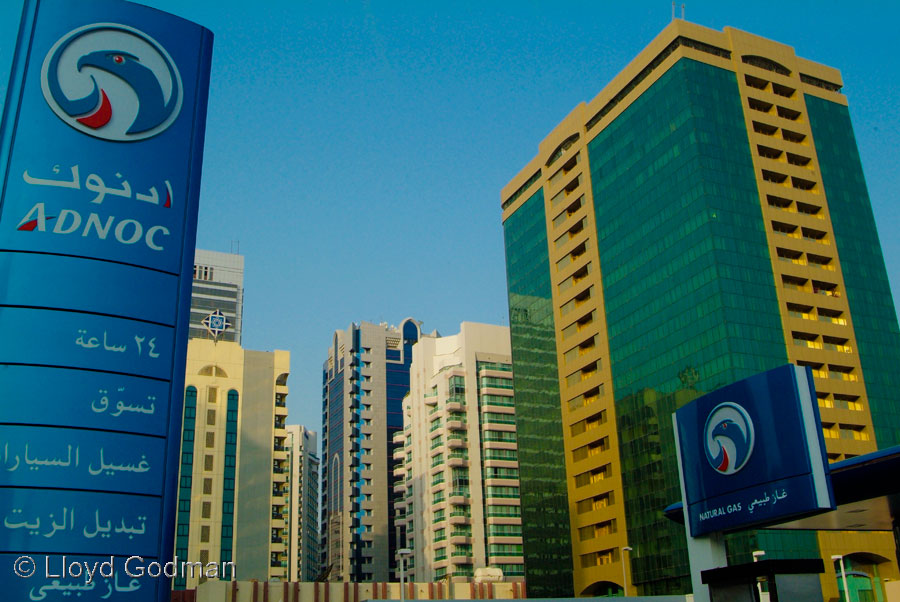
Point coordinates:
[[457, 471], [232, 503]]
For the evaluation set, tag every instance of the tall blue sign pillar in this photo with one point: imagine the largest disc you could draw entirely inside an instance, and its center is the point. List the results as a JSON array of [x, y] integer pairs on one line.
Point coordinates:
[[101, 149]]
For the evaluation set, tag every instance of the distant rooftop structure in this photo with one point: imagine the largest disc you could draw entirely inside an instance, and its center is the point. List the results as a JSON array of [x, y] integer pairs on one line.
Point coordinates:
[[218, 285]]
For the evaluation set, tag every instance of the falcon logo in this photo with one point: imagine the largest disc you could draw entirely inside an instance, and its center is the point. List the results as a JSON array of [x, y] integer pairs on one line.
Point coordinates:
[[728, 438], [112, 82]]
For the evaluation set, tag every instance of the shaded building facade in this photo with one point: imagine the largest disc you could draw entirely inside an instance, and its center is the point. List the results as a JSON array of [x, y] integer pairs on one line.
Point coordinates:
[[303, 460]]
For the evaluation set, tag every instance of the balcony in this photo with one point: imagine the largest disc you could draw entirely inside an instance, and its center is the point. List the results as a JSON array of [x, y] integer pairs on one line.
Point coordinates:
[[456, 403], [459, 497], [456, 441]]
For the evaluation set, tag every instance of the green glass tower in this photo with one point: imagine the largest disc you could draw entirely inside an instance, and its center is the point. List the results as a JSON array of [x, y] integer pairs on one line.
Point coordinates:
[[703, 219]]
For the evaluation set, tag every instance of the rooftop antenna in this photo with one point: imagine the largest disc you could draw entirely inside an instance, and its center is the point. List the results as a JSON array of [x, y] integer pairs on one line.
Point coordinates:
[[682, 11], [673, 10]]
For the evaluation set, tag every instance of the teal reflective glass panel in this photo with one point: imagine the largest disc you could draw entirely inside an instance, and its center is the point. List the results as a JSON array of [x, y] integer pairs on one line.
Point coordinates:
[[545, 515], [687, 280], [862, 263]]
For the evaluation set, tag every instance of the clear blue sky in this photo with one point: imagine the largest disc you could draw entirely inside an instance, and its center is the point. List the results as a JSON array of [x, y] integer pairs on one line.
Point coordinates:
[[357, 149]]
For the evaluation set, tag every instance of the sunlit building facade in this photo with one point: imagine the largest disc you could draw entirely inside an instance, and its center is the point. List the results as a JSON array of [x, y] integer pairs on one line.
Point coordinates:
[[233, 498], [703, 219], [364, 381], [457, 467]]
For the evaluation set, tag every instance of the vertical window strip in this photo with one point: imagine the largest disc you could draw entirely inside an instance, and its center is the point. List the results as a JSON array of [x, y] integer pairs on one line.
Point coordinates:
[[183, 516]]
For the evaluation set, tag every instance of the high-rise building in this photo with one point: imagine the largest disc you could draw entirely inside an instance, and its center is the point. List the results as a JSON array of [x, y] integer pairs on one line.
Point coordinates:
[[303, 529], [702, 219], [456, 459], [218, 285], [232, 499], [364, 381]]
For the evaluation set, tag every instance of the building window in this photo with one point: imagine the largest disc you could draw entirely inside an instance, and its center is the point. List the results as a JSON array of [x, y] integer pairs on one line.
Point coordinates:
[[210, 439], [207, 486], [206, 510], [211, 417], [208, 462]]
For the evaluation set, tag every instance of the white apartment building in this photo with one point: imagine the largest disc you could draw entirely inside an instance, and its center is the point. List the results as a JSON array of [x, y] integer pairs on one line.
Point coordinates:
[[457, 469]]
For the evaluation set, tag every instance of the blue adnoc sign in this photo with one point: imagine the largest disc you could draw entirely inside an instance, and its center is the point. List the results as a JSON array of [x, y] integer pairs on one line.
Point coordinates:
[[101, 148], [752, 453]]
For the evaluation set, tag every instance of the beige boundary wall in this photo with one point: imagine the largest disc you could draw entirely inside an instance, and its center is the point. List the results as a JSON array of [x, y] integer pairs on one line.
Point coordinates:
[[252, 591]]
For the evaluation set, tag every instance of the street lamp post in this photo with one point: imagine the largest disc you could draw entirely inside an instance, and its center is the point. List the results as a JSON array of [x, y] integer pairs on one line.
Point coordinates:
[[402, 553], [624, 575], [843, 575], [757, 554]]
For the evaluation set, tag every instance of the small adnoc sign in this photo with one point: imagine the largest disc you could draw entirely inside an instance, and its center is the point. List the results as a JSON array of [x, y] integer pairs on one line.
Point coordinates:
[[752, 453], [101, 147]]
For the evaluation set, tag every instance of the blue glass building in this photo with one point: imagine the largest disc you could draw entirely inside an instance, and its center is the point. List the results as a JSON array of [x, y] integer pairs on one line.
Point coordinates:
[[364, 381]]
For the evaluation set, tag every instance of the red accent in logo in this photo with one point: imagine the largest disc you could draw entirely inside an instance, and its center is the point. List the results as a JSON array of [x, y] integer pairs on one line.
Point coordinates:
[[101, 116], [168, 202], [724, 465], [29, 226]]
